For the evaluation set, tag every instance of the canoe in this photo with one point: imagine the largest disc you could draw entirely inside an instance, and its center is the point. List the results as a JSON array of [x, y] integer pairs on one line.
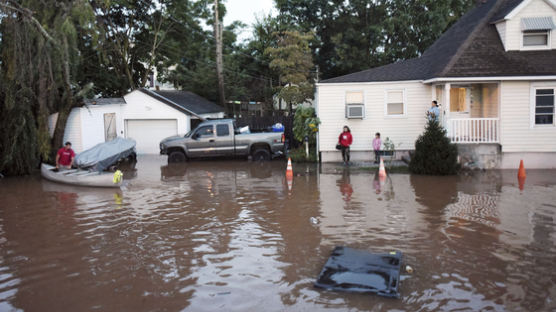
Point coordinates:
[[80, 177]]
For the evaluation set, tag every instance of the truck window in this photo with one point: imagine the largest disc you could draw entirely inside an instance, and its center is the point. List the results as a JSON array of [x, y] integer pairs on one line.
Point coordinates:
[[205, 131], [222, 130]]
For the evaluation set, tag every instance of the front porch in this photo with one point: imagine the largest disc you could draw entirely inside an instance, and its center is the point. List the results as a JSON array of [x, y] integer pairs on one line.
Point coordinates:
[[469, 111]]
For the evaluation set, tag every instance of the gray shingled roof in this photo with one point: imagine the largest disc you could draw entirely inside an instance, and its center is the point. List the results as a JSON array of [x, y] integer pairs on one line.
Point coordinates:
[[470, 48], [104, 101], [189, 101]]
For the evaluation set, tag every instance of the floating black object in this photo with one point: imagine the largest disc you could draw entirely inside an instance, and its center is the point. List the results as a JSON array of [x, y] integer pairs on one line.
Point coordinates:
[[360, 271]]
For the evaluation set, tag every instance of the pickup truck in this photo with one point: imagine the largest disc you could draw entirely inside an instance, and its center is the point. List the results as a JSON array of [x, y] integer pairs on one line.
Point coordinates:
[[221, 138]]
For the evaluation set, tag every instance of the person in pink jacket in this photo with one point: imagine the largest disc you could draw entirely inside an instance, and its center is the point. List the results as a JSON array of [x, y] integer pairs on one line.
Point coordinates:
[[376, 147]]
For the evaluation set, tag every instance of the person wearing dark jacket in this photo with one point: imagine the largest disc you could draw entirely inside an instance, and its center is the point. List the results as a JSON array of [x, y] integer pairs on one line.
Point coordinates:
[[345, 140]]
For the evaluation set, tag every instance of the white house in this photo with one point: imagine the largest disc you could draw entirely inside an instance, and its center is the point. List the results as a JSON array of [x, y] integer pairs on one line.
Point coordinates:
[[493, 72], [143, 115]]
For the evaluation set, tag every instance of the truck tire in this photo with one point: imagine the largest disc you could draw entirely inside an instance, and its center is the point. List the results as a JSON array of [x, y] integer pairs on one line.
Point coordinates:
[[176, 156], [261, 154]]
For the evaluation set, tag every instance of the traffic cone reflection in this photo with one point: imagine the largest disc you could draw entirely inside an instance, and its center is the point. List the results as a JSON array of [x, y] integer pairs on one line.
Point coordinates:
[[381, 170], [289, 176]]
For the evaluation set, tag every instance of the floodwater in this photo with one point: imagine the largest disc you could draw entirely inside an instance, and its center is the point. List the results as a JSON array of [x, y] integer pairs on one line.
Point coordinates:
[[230, 236]]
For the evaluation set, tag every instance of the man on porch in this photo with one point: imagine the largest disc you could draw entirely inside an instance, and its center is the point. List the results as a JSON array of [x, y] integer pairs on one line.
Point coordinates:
[[433, 112]]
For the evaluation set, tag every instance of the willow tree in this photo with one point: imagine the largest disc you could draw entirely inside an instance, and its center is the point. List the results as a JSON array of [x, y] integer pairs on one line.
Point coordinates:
[[292, 59], [37, 72]]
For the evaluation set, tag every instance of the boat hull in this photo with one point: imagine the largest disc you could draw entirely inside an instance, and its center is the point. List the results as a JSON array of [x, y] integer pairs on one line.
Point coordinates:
[[79, 177]]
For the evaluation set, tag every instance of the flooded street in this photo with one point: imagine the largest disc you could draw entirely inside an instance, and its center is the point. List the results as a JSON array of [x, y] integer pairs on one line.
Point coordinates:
[[230, 236]]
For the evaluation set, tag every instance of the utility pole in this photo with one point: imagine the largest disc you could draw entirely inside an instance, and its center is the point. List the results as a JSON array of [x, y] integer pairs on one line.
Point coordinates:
[[219, 62]]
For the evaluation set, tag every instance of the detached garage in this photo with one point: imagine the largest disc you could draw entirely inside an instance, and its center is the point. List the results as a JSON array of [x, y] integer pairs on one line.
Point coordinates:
[[143, 115], [151, 131]]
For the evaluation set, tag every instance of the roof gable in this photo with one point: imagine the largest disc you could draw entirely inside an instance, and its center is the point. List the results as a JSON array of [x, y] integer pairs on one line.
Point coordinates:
[[470, 48], [511, 8]]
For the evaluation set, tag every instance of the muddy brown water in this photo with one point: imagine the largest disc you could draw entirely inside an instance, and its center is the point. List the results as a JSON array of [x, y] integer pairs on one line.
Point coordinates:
[[230, 236]]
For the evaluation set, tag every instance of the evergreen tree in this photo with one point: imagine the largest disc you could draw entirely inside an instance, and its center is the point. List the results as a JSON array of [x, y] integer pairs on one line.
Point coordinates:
[[434, 153]]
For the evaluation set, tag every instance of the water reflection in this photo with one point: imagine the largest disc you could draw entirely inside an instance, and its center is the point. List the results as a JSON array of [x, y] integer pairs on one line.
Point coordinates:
[[229, 235]]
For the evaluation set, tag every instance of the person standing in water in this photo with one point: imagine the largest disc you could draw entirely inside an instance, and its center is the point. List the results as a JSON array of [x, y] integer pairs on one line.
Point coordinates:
[[376, 147], [345, 140]]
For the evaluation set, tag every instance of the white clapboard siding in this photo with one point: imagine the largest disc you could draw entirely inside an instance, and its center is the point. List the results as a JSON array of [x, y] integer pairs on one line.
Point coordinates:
[[73, 130], [536, 8], [141, 106], [402, 130], [517, 133], [92, 122]]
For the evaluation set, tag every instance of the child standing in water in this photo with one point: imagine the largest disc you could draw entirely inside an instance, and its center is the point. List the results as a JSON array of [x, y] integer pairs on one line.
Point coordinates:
[[376, 147]]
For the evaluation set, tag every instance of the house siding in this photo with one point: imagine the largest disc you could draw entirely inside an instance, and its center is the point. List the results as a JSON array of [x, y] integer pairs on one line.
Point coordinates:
[[501, 28], [402, 130], [142, 106], [93, 123], [73, 130], [537, 8], [517, 132]]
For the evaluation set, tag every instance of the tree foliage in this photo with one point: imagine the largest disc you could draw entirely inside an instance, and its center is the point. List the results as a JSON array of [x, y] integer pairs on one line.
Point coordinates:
[[434, 153], [292, 59]]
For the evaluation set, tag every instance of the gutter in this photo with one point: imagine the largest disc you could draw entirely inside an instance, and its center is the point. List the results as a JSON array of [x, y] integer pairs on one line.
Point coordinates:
[[493, 78]]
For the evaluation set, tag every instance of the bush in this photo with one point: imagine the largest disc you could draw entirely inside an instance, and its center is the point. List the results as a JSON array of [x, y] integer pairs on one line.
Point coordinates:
[[434, 153], [298, 155]]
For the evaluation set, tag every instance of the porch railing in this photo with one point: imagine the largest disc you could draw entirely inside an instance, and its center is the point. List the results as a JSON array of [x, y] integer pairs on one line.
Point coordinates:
[[474, 130]]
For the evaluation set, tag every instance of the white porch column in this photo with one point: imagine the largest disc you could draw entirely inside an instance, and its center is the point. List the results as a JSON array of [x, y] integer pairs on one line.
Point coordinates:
[[446, 107]]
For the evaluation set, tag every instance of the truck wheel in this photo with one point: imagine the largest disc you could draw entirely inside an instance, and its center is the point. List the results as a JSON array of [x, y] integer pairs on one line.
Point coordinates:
[[261, 155], [176, 156]]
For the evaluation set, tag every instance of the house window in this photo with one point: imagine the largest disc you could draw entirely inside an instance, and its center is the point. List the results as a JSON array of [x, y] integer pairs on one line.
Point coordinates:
[[395, 104], [536, 39], [355, 107], [544, 106], [536, 32]]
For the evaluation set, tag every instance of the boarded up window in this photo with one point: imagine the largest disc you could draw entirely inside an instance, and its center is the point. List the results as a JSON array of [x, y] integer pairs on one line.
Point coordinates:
[[110, 127], [355, 108], [395, 103], [354, 97], [457, 100]]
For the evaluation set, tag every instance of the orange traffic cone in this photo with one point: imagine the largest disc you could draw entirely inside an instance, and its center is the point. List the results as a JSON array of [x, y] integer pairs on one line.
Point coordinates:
[[521, 173], [289, 170], [381, 170]]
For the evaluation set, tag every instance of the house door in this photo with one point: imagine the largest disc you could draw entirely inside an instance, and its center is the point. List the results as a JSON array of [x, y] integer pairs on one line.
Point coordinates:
[[110, 127]]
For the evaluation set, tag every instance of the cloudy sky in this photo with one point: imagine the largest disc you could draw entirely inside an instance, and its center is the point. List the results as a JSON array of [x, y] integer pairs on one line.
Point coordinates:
[[246, 11]]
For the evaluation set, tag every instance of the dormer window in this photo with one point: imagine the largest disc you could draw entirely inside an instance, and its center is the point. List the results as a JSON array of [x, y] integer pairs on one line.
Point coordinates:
[[536, 32]]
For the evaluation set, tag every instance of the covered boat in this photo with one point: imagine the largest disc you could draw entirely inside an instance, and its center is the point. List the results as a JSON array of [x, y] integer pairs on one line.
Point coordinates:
[[103, 155], [92, 164]]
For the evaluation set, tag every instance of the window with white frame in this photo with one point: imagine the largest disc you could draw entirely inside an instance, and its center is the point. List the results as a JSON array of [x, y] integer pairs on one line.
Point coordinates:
[[355, 106], [536, 39], [395, 104], [536, 32], [544, 106]]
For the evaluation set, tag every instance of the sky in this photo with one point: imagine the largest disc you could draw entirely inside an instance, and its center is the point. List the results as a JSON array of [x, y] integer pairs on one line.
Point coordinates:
[[246, 11]]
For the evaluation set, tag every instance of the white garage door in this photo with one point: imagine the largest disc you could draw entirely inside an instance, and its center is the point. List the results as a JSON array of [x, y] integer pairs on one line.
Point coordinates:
[[149, 132]]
